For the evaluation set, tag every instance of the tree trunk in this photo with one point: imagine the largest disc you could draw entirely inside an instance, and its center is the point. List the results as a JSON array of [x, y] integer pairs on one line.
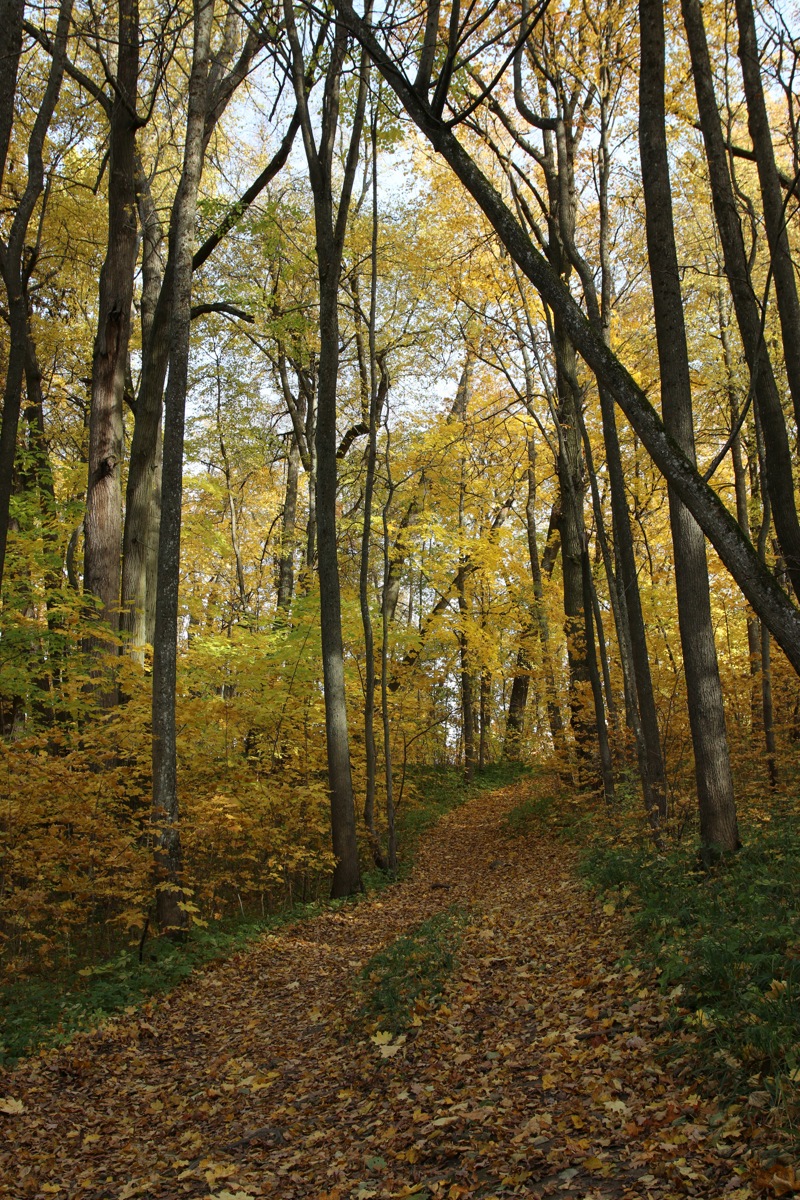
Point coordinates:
[[15, 264], [103, 520], [288, 531], [606, 765], [330, 234], [742, 514], [517, 703], [771, 199], [780, 479], [718, 826], [538, 568], [571, 480], [143, 492], [170, 908], [11, 15]]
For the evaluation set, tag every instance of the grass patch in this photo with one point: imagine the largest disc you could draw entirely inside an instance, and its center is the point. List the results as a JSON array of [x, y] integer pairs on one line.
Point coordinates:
[[410, 974], [726, 943], [532, 814]]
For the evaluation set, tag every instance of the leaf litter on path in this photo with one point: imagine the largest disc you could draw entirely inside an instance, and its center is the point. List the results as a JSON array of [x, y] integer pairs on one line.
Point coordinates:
[[540, 1072]]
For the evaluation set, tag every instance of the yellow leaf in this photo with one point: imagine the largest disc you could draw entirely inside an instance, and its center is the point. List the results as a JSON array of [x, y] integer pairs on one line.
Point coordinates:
[[11, 1106]]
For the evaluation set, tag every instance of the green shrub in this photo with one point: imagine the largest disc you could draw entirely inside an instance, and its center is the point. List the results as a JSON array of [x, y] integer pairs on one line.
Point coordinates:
[[726, 943], [411, 972]]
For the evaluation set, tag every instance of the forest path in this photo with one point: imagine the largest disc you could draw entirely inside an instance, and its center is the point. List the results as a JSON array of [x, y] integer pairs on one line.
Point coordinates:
[[540, 1074]]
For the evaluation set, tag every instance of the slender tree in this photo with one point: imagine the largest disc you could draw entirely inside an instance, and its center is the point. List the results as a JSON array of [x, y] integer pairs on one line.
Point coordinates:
[[331, 227], [170, 907], [718, 826], [18, 255]]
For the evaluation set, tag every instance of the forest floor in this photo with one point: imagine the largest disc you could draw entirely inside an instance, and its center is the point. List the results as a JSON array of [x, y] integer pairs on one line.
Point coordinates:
[[541, 1069]]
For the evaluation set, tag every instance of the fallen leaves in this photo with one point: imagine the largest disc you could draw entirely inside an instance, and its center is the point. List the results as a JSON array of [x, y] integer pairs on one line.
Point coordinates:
[[539, 1072]]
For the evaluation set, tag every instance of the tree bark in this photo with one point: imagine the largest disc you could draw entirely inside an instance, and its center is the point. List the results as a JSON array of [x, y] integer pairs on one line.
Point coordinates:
[[170, 906], [718, 826], [780, 479], [103, 519]]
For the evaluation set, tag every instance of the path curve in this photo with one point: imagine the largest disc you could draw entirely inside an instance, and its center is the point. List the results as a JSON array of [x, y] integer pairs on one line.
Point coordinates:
[[542, 1073]]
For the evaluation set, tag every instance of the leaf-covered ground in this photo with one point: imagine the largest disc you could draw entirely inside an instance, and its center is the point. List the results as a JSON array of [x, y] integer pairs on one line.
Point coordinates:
[[540, 1072]]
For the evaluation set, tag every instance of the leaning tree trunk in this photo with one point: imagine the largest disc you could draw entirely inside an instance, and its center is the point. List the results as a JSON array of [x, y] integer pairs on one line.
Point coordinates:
[[780, 480], [718, 826], [720, 526]]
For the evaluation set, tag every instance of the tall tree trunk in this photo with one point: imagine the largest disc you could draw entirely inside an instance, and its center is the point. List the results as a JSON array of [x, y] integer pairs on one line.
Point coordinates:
[[143, 491], [554, 717], [484, 717], [42, 473], [103, 520], [467, 689], [288, 531], [766, 668], [604, 748], [330, 234], [518, 701], [742, 513], [571, 479], [780, 479], [11, 15], [170, 906], [373, 399], [391, 836], [771, 199], [718, 826]]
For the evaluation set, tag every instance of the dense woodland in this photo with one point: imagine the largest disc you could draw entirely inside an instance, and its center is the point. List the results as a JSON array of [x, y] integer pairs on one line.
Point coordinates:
[[384, 387]]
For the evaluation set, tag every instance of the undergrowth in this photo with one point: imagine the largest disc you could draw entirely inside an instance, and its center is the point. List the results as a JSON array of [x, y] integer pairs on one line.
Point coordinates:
[[46, 1010], [408, 976], [726, 945], [724, 941]]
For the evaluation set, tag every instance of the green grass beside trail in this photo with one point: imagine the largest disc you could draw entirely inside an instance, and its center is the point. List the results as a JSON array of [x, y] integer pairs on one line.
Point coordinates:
[[48, 1008], [725, 941]]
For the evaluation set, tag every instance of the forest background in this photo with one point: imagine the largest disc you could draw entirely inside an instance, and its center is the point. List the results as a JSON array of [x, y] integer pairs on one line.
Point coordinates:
[[316, 323]]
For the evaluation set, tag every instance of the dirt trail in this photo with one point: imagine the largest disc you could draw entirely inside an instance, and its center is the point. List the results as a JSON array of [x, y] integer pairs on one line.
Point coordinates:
[[541, 1074]]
